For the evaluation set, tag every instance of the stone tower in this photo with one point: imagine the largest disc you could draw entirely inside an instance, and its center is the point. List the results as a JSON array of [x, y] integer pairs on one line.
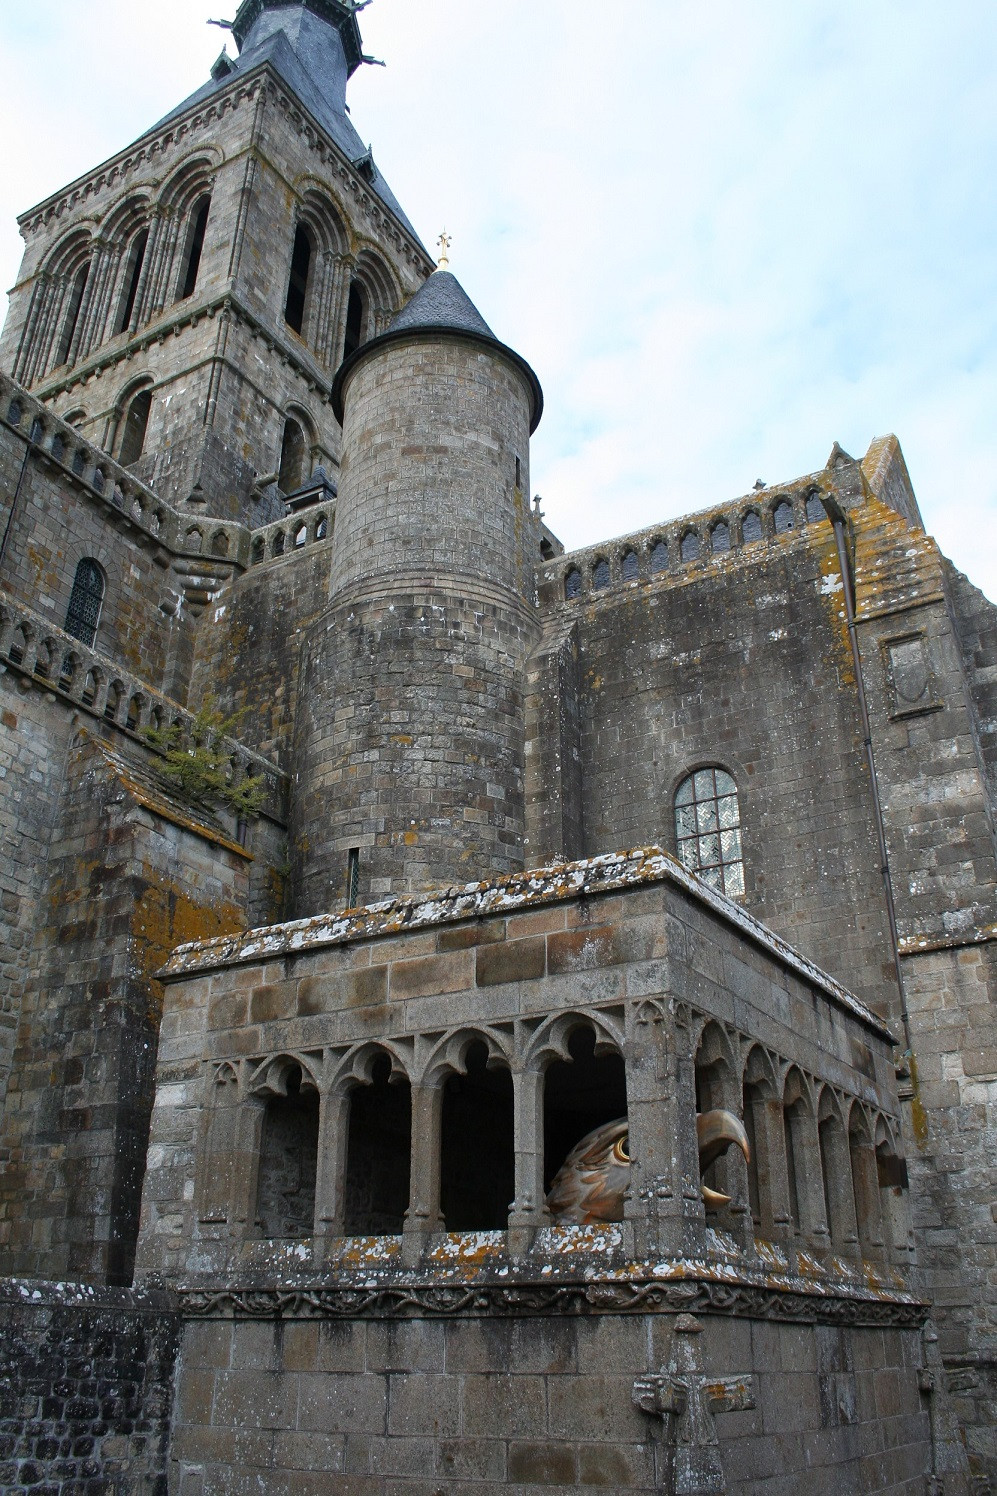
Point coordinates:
[[410, 731], [148, 311]]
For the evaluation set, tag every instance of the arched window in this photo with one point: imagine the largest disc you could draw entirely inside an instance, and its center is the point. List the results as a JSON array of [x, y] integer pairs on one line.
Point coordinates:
[[573, 583], [690, 546], [477, 1151], [378, 1154], [708, 829], [751, 527], [297, 286], [133, 274], [72, 317], [600, 574], [285, 1201], [815, 508], [291, 474], [355, 317], [85, 602], [193, 249], [581, 1093], [631, 567], [659, 557], [783, 517], [134, 427], [720, 538]]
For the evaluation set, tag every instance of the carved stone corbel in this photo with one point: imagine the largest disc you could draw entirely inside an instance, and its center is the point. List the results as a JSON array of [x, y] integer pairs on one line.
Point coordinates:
[[689, 1399]]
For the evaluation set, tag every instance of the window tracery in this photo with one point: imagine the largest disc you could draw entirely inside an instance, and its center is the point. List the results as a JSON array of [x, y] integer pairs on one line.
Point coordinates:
[[708, 829]]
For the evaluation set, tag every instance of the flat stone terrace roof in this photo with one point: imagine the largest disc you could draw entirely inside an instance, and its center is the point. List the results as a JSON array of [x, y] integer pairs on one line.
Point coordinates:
[[610, 872]]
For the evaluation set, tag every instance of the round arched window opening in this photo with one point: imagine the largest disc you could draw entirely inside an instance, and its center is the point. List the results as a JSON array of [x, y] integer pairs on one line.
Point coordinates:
[[291, 474], [136, 424], [356, 316], [708, 829], [85, 602]]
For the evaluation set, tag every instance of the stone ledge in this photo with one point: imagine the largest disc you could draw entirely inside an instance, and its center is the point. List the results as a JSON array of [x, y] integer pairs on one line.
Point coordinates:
[[609, 872]]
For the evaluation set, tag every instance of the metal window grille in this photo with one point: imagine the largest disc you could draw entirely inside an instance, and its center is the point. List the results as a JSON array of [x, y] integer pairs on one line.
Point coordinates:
[[353, 878], [85, 602], [708, 829]]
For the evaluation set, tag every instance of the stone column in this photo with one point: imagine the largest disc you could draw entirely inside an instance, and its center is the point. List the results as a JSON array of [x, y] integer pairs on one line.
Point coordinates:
[[529, 1211], [36, 309], [666, 1204], [165, 258], [342, 280], [771, 1170], [423, 1215], [868, 1207], [141, 293], [246, 1166], [330, 1185], [96, 289], [810, 1179], [837, 1167]]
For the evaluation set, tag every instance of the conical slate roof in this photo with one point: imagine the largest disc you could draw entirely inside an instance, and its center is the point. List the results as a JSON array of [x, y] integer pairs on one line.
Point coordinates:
[[441, 301], [441, 305]]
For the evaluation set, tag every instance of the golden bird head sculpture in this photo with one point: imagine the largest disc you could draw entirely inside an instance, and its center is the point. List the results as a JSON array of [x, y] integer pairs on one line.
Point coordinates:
[[590, 1185]]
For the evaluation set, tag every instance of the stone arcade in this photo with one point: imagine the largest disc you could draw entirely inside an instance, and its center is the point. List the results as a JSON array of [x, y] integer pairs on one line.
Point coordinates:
[[699, 818]]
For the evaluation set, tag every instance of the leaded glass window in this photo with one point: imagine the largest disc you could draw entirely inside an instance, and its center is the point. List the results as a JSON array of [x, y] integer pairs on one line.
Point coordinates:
[[708, 829], [86, 599]]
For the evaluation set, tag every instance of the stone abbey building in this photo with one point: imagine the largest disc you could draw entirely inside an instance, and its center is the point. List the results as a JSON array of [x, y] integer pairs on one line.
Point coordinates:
[[505, 842]]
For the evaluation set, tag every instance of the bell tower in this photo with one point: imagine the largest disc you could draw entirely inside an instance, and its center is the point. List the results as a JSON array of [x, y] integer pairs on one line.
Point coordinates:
[[187, 303]]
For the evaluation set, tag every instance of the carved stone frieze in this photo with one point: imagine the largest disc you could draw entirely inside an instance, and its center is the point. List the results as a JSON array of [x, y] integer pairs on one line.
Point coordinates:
[[414, 1300]]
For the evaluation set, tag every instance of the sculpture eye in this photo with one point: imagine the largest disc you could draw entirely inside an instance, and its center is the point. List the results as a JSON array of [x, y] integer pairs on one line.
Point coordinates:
[[621, 1149]]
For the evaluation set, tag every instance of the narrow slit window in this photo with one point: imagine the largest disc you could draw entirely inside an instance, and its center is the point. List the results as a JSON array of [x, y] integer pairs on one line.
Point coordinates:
[[73, 314], [354, 320], [297, 287], [136, 424], [353, 878], [133, 275], [195, 248]]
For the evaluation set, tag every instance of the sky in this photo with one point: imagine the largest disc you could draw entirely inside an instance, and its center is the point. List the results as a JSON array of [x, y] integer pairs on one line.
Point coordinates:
[[725, 236]]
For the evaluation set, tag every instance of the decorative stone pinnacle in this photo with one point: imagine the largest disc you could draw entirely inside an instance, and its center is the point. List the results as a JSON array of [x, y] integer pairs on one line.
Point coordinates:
[[444, 241]]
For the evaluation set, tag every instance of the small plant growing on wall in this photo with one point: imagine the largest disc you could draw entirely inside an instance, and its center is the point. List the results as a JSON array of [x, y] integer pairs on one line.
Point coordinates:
[[197, 765]]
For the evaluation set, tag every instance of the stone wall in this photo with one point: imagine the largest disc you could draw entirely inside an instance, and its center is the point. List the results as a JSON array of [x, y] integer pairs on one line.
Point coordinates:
[[127, 876], [738, 659], [85, 1389], [423, 1407]]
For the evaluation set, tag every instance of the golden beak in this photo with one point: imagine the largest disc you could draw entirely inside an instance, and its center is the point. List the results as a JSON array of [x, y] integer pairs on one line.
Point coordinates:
[[717, 1131]]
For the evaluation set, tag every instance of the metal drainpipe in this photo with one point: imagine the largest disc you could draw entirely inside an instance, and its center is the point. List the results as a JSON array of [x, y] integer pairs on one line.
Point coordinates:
[[13, 503], [837, 518]]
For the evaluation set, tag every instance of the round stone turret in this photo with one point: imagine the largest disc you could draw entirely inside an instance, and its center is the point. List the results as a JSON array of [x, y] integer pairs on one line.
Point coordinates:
[[410, 732]]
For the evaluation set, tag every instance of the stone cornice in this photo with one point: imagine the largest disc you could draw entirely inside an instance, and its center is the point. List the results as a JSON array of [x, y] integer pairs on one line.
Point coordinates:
[[227, 303], [690, 1293], [153, 143], [243, 86], [610, 872]]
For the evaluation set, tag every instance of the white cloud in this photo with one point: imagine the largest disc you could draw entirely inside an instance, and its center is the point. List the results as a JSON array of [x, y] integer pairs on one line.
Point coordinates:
[[725, 236]]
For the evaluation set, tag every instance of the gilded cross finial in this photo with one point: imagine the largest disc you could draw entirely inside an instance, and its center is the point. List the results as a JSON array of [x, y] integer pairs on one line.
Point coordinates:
[[444, 241]]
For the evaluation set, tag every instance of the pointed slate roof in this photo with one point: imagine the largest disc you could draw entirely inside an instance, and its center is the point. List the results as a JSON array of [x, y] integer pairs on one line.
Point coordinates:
[[441, 301], [440, 306], [306, 48]]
